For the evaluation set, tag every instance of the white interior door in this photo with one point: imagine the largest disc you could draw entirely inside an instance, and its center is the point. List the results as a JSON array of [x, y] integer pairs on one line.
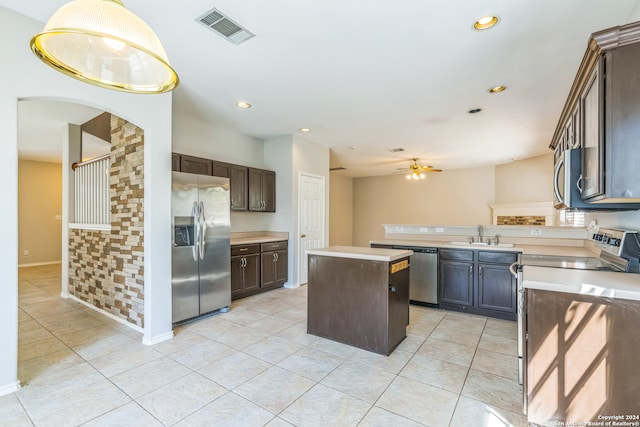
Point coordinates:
[[311, 212]]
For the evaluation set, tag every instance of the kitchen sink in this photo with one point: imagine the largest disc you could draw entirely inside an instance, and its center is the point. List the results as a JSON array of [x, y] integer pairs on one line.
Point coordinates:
[[499, 245]]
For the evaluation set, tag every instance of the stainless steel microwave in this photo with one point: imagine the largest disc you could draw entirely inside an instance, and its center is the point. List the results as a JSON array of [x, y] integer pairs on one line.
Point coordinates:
[[567, 180]]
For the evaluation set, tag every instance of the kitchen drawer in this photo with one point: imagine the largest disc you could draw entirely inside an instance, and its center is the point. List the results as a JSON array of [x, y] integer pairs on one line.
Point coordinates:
[[498, 257], [273, 246], [458, 255], [245, 249]]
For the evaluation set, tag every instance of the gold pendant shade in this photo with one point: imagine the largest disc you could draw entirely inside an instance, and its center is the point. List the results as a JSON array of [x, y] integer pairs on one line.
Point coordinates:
[[102, 43]]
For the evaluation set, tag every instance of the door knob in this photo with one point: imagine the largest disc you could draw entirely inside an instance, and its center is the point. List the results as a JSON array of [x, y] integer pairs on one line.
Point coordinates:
[[303, 236]]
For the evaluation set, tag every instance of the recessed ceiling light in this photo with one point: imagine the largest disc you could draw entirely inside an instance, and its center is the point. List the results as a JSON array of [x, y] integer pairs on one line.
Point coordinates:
[[474, 110], [353, 147], [243, 104], [305, 130], [485, 22], [496, 89]]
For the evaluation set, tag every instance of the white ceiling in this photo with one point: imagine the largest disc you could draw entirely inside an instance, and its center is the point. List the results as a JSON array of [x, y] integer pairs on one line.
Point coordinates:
[[380, 75]]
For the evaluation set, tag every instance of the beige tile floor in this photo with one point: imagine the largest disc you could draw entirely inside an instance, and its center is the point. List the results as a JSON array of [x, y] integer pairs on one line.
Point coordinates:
[[254, 366]]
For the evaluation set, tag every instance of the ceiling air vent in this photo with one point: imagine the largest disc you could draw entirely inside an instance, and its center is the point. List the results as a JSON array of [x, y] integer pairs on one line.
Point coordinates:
[[396, 150], [224, 27]]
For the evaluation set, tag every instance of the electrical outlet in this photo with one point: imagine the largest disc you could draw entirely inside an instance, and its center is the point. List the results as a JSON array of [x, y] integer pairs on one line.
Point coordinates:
[[26, 252], [536, 232], [439, 230]]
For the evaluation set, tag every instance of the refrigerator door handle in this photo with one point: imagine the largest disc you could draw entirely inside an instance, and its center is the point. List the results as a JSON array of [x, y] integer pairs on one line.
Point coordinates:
[[196, 238], [203, 229]]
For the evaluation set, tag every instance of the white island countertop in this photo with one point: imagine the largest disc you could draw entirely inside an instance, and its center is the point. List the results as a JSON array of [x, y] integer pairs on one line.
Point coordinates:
[[606, 284], [357, 252]]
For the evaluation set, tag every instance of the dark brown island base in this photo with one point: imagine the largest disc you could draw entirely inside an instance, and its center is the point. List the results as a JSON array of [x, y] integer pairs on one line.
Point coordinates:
[[359, 296]]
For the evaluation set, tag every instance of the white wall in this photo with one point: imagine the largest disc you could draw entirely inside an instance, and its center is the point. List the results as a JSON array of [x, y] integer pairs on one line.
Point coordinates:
[[199, 139], [457, 197], [288, 156], [28, 78], [524, 181], [341, 210]]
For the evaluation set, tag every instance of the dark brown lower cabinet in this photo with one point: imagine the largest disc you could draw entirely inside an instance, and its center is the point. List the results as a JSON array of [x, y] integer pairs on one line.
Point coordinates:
[[582, 359], [478, 282], [274, 264], [456, 278], [496, 288], [254, 271], [245, 274]]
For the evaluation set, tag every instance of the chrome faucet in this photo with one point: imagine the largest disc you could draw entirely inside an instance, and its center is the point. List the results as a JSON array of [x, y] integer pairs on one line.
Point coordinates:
[[479, 233]]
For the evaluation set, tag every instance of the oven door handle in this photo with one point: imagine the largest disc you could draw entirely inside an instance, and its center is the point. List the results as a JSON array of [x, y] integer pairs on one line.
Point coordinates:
[[512, 269]]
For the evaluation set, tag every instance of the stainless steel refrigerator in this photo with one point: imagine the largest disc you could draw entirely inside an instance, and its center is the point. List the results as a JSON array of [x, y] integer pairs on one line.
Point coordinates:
[[200, 259]]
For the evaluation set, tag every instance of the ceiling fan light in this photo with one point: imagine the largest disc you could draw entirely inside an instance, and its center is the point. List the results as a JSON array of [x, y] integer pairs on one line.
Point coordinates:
[[102, 43]]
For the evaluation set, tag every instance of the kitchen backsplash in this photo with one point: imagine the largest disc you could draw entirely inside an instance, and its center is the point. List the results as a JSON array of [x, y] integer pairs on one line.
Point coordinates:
[[521, 220]]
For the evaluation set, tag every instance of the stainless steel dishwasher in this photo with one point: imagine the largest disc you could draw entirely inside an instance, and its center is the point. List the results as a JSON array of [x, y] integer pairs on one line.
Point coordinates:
[[423, 275]]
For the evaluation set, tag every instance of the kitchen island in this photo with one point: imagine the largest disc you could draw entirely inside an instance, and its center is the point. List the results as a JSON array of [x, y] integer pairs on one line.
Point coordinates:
[[582, 352], [359, 296]]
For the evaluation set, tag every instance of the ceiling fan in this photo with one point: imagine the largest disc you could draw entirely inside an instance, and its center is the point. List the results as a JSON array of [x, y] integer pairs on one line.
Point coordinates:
[[416, 171]]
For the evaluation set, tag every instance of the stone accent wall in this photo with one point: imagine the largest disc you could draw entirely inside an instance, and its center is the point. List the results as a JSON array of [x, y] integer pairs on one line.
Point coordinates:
[[521, 220], [107, 267]]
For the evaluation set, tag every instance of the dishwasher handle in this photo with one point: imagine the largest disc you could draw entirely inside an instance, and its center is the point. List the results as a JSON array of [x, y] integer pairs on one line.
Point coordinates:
[[418, 250]]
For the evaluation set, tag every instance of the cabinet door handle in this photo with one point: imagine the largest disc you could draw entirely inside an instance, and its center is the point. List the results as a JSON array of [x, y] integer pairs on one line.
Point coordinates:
[[480, 271], [392, 288], [277, 257], [244, 249], [302, 236], [471, 271]]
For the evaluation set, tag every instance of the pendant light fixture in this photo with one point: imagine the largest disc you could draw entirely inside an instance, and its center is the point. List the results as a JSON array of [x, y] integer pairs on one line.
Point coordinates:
[[102, 43]]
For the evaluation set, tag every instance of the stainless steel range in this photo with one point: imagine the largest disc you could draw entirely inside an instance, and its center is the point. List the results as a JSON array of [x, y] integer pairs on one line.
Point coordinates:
[[614, 250]]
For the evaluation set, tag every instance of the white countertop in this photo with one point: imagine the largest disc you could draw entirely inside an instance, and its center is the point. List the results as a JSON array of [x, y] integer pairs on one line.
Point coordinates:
[[357, 252], [525, 249], [253, 240], [607, 284]]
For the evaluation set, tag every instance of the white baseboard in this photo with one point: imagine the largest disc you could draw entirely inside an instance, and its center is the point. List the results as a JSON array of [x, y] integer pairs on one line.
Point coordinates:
[[160, 338], [105, 313], [35, 264], [291, 285], [9, 388]]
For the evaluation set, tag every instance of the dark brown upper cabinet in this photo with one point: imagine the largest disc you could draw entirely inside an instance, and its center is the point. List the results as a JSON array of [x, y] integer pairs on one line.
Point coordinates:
[[238, 183], [262, 190], [195, 165], [602, 116], [250, 188], [221, 169], [175, 162]]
